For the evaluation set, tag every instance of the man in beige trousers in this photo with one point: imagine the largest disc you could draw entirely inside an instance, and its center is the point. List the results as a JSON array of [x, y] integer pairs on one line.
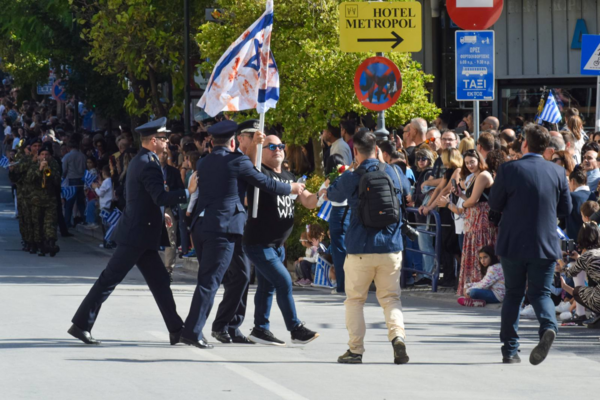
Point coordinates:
[[374, 254]]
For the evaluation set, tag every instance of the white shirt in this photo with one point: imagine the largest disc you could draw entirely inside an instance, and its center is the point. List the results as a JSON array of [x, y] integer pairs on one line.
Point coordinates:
[[7, 130], [584, 187], [105, 193], [16, 142], [341, 147]]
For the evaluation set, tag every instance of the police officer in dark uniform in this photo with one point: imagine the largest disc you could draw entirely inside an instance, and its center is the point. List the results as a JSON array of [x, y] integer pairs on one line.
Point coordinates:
[[232, 310], [219, 218], [138, 235]]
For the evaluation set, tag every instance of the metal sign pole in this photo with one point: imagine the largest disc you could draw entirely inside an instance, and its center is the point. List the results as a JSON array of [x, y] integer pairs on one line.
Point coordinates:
[[476, 122], [598, 103]]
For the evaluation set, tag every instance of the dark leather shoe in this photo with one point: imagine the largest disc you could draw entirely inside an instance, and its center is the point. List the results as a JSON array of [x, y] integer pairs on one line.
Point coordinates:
[[68, 234], [511, 359], [84, 336], [222, 337], [175, 337], [201, 344], [540, 352], [241, 340]]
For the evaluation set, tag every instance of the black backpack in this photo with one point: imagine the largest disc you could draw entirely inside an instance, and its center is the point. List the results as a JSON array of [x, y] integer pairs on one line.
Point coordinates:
[[378, 198]]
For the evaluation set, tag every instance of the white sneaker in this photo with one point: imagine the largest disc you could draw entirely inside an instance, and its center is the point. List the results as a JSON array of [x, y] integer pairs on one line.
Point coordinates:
[[528, 312], [562, 307]]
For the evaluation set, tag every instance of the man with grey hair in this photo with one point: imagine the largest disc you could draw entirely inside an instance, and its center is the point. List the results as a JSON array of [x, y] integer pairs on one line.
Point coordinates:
[[490, 123], [418, 133], [556, 144]]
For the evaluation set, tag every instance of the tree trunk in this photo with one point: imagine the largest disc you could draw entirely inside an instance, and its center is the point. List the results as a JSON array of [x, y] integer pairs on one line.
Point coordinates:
[[159, 107], [318, 155]]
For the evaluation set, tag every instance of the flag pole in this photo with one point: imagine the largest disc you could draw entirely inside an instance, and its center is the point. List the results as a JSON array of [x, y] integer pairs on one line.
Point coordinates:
[[261, 128]]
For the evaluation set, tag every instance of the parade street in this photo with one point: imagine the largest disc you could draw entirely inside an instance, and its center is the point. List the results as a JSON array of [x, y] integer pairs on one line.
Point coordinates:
[[454, 352]]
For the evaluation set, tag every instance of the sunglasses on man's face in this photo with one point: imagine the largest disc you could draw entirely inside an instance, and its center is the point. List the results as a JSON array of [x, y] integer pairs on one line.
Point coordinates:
[[274, 147]]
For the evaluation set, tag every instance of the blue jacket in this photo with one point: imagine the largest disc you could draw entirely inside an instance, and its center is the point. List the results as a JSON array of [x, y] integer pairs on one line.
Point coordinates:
[[574, 220], [531, 193], [141, 224], [359, 239], [223, 177]]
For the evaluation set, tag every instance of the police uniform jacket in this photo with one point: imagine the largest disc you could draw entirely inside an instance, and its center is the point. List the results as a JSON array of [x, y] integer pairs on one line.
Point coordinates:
[[222, 180], [142, 224]]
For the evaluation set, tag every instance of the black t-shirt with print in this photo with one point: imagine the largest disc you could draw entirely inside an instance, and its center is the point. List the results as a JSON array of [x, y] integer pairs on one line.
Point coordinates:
[[275, 214]]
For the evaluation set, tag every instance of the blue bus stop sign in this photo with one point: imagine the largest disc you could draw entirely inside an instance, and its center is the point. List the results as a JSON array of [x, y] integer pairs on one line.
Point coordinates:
[[590, 55], [475, 67]]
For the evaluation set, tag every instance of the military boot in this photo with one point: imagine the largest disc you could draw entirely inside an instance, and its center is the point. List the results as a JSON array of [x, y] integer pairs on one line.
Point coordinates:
[[53, 248], [41, 249], [26, 246], [33, 249]]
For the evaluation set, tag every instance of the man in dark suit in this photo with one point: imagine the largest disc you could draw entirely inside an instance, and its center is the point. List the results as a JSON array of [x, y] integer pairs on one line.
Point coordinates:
[[138, 235], [172, 180], [580, 193], [219, 219], [531, 194], [232, 309]]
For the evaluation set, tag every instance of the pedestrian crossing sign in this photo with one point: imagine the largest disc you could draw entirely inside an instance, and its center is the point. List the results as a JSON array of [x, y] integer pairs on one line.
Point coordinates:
[[590, 55]]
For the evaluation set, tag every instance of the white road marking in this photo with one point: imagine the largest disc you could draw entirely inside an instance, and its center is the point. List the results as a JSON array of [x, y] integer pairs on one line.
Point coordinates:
[[242, 371]]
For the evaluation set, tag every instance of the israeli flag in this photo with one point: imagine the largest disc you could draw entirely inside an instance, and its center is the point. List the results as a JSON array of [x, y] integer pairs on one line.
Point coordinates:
[[89, 178], [325, 211], [551, 112], [246, 76], [4, 162]]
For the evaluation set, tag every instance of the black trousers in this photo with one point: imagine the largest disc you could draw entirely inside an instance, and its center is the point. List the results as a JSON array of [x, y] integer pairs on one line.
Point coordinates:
[[214, 251], [62, 225], [122, 261], [232, 310]]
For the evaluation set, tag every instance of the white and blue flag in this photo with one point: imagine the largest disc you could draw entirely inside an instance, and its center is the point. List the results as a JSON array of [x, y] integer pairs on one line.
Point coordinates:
[[325, 211], [4, 162], [112, 220], [551, 112], [89, 178], [246, 76]]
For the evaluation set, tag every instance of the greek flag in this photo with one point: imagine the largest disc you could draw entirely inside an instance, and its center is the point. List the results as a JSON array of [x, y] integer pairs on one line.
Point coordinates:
[[89, 178], [561, 234], [112, 220], [551, 112], [246, 76], [322, 273], [67, 192], [325, 211], [104, 214], [4, 162]]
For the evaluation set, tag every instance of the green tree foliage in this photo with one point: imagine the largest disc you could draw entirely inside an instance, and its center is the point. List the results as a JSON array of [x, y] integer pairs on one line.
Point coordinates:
[[141, 42], [316, 78]]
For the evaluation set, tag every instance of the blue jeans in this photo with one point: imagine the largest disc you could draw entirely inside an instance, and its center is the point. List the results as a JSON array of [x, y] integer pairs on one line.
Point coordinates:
[[537, 276], [426, 244], [412, 260], [79, 198], [90, 212], [338, 229], [484, 294], [272, 276]]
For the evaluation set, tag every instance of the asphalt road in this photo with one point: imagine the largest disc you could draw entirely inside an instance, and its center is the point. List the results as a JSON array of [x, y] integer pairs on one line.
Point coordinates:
[[454, 352]]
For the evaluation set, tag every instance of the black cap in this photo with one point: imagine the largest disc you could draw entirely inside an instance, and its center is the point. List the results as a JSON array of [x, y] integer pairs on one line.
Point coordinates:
[[153, 127], [223, 129], [249, 126], [47, 146]]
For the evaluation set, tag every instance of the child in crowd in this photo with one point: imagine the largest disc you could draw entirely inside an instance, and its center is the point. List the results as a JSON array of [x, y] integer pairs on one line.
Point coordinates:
[[105, 193], [316, 234], [303, 265], [491, 288], [91, 197]]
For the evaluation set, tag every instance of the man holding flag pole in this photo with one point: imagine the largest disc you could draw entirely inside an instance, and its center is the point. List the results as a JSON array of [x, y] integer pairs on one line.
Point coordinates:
[[238, 82]]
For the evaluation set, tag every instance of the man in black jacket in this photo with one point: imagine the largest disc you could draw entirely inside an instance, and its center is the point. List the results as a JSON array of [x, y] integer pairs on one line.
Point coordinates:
[[138, 236]]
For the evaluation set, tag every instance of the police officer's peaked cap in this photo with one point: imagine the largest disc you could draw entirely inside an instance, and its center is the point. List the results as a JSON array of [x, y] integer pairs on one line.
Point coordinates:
[[249, 126], [153, 127], [224, 129]]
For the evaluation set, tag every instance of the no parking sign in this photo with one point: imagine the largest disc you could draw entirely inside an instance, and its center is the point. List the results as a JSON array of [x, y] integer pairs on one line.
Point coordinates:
[[59, 92], [378, 83]]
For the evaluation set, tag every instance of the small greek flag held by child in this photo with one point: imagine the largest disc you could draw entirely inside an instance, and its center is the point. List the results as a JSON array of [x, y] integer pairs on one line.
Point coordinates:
[[112, 220], [325, 211], [104, 214], [322, 274], [89, 178], [561, 234], [4, 162]]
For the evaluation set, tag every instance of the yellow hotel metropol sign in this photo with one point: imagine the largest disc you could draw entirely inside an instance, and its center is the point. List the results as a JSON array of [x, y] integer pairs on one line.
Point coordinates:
[[381, 27]]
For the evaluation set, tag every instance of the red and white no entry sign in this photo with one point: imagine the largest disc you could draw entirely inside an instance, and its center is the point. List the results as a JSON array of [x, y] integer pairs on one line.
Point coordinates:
[[474, 15]]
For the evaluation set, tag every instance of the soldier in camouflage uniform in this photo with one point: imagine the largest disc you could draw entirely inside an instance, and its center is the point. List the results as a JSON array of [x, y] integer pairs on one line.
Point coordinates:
[[17, 174], [44, 177]]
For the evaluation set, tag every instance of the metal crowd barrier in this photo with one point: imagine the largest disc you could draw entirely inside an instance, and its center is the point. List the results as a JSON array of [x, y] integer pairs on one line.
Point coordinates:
[[434, 275]]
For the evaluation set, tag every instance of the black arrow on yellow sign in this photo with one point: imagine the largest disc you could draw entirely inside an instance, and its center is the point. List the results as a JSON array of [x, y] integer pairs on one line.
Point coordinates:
[[396, 39]]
